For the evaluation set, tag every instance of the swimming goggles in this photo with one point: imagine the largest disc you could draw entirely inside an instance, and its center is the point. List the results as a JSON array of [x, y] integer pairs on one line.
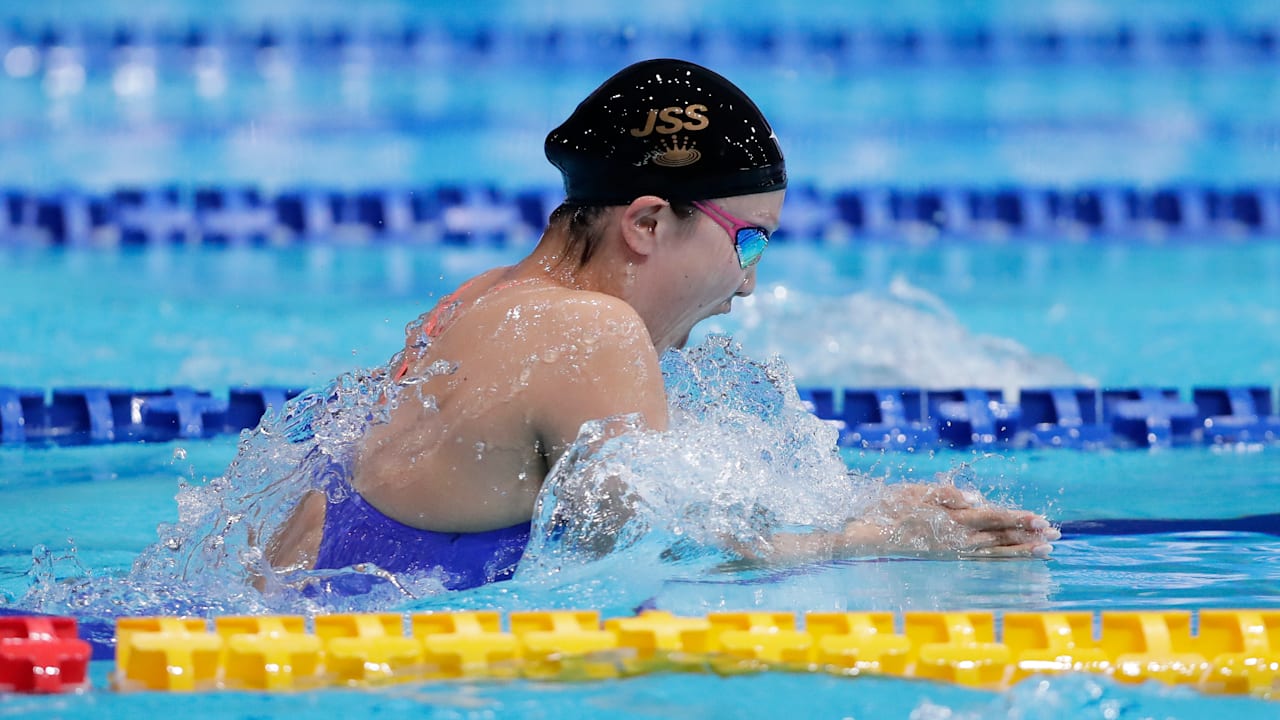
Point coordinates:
[[748, 240]]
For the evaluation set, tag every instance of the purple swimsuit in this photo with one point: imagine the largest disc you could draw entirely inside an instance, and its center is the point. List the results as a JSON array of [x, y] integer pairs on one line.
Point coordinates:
[[356, 532]]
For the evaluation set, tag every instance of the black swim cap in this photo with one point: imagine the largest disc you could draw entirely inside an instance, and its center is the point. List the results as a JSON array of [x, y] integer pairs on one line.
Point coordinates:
[[668, 128]]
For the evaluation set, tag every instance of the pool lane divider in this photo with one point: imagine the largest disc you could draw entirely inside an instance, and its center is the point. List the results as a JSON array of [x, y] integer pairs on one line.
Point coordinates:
[[198, 45], [1268, 524], [1217, 651], [867, 419], [80, 415], [912, 419], [484, 215], [42, 654]]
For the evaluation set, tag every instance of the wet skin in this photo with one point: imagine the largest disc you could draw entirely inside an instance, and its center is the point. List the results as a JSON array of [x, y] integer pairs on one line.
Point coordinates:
[[536, 349]]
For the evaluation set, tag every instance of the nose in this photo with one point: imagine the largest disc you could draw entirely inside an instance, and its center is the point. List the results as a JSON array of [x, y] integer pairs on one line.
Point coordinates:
[[748, 285]]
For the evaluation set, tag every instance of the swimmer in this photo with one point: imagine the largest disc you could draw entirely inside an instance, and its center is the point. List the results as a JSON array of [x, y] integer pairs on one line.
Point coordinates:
[[674, 181]]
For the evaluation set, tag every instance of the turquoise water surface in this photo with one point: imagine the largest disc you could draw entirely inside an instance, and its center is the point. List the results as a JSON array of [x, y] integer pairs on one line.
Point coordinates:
[[1013, 312]]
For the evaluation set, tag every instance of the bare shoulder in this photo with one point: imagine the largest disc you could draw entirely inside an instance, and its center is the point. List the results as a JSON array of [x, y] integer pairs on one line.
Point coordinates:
[[541, 315], [581, 314], [598, 333], [592, 359]]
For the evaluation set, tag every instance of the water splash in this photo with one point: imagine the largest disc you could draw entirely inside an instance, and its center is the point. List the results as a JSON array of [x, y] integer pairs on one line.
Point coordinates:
[[212, 559], [623, 511], [906, 336], [742, 459]]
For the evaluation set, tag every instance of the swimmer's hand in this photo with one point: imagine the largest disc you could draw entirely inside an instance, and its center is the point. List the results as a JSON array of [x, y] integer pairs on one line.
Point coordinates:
[[921, 520]]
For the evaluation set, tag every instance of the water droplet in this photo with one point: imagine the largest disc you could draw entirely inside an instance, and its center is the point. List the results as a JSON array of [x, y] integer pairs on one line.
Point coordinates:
[[179, 454]]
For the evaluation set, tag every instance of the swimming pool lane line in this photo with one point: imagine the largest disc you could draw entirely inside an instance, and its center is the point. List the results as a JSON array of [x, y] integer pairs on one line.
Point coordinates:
[[484, 215], [837, 43], [1266, 524], [867, 419], [1235, 651]]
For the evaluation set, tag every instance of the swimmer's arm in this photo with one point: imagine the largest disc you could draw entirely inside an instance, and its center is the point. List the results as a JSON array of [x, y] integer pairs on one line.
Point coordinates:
[[918, 520], [613, 375]]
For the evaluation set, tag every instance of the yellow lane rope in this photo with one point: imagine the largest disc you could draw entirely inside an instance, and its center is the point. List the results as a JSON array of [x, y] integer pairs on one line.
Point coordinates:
[[1232, 651]]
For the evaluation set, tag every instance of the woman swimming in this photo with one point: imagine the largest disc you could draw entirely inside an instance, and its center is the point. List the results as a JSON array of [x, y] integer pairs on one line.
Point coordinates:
[[674, 182]]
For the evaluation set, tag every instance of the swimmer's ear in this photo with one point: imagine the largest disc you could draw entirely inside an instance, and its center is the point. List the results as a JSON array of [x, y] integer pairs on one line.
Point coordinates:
[[640, 223]]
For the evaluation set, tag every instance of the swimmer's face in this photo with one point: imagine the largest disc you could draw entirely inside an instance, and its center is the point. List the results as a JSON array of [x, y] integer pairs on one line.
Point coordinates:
[[709, 273]]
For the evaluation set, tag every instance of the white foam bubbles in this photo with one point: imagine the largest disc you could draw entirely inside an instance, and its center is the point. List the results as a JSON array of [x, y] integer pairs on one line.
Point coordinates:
[[905, 336], [742, 458]]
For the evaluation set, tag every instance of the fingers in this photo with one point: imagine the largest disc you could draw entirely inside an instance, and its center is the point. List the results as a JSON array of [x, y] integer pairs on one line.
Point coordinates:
[[998, 519], [1023, 550], [995, 518], [1005, 538], [952, 497], [972, 527], [1008, 534], [970, 510]]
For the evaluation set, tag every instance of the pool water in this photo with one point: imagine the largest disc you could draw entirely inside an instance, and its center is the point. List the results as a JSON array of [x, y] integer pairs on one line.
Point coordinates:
[[875, 313], [99, 117], [677, 696], [407, 125], [129, 489], [84, 513], [952, 311]]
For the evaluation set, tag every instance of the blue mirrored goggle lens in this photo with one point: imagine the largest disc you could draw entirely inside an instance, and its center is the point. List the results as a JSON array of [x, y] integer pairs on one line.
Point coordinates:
[[751, 243]]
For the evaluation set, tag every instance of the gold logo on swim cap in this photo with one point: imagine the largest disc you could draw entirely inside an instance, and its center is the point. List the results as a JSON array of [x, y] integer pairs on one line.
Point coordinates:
[[677, 155], [671, 123]]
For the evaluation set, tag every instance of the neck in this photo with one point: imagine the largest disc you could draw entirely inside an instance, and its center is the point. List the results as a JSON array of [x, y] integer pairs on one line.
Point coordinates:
[[610, 271], [602, 274]]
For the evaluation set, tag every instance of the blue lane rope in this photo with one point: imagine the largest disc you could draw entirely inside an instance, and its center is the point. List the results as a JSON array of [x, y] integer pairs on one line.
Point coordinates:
[[835, 43], [1263, 524], [891, 419], [482, 214], [83, 415]]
